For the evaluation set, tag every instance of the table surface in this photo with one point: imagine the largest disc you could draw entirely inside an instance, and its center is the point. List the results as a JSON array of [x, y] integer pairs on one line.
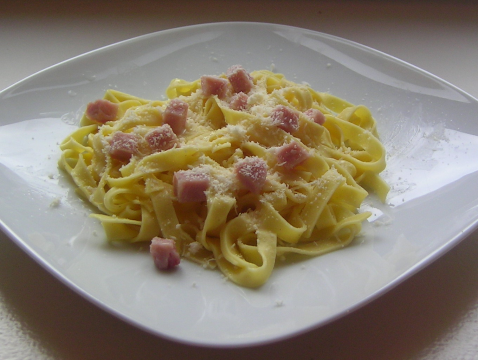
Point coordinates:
[[432, 315]]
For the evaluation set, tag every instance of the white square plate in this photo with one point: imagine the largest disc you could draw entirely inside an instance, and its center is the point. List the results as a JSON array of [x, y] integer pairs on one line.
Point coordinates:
[[428, 126]]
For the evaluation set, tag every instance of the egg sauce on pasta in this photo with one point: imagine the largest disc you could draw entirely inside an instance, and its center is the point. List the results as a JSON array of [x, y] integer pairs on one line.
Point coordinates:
[[309, 209]]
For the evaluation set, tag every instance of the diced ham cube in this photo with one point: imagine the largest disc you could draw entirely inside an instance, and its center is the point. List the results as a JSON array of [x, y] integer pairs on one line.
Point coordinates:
[[214, 85], [239, 101], [239, 78], [101, 111], [164, 253], [175, 115], [190, 185], [291, 155], [162, 138], [123, 146], [285, 118], [251, 173], [316, 116]]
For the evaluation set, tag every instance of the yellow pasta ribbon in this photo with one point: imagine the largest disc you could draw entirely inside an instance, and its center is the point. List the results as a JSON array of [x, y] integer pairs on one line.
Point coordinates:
[[309, 209]]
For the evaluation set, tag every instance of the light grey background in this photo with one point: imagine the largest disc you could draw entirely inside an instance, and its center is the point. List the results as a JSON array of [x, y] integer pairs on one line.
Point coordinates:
[[432, 315]]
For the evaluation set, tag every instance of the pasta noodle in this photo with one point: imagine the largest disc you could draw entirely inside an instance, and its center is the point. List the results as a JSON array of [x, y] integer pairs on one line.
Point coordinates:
[[276, 169]]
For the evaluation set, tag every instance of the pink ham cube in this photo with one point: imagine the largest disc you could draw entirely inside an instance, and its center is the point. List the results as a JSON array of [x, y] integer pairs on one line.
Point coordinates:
[[162, 138], [190, 185], [214, 85], [291, 155], [239, 101], [316, 116], [239, 78], [123, 146], [175, 115], [251, 173], [164, 253], [285, 118], [102, 111]]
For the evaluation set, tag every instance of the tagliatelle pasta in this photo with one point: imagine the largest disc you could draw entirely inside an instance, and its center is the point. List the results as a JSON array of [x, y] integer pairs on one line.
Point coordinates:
[[236, 170]]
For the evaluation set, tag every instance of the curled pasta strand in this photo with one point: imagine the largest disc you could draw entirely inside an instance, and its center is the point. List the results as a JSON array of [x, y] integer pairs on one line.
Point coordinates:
[[179, 87], [218, 211], [233, 263], [124, 229], [366, 140], [271, 220]]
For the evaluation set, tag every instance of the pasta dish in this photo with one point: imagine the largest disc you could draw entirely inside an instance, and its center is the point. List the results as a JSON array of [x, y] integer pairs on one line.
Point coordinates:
[[231, 171]]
